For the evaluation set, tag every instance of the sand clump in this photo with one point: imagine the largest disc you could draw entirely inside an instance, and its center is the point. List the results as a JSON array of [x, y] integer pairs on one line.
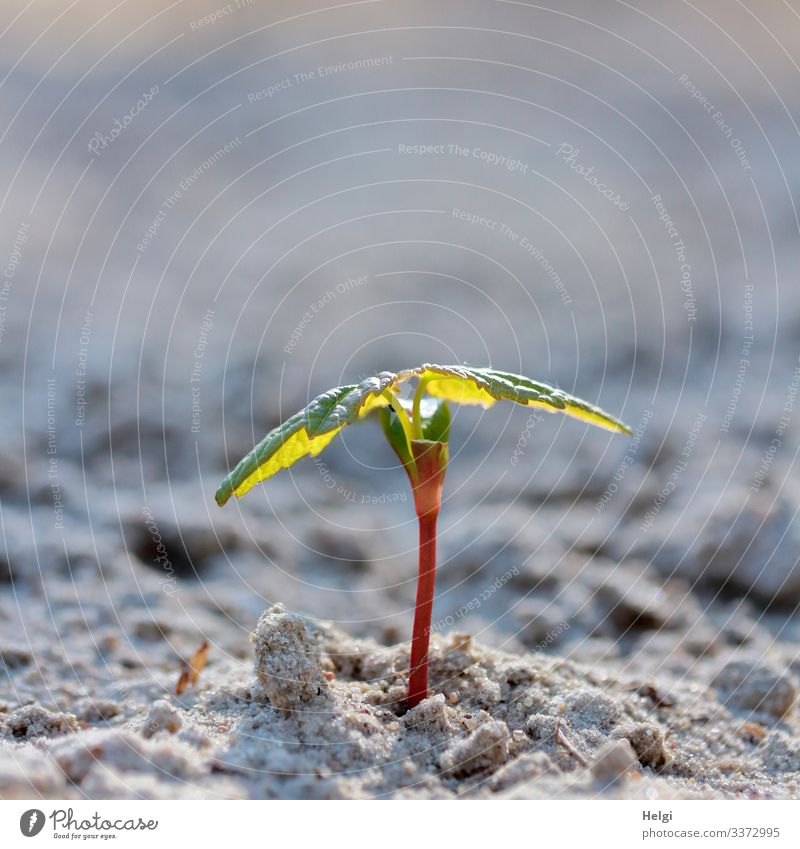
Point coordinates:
[[758, 687], [286, 663], [647, 741], [34, 721], [162, 716], [485, 748]]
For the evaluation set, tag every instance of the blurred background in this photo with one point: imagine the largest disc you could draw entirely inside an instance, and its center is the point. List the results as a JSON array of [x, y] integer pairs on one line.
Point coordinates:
[[211, 212]]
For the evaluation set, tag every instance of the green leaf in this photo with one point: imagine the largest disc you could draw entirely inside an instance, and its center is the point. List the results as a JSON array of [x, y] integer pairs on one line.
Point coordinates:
[[306, 433], [436, 425]]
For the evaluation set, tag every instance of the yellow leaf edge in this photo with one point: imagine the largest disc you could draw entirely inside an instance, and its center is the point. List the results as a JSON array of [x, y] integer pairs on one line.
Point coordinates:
[[484, 386], [306, 433]]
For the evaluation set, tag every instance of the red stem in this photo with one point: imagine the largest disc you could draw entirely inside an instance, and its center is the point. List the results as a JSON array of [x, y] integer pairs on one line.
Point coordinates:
[[430, 463], [420, 639]]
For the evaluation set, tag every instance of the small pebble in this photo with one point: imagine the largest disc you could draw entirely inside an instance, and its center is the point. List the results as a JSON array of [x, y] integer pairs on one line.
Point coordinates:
[[648, 743], [614, 760]]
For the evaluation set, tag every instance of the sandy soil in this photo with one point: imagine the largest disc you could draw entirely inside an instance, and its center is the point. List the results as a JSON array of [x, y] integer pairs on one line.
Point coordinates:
[[320, 716]]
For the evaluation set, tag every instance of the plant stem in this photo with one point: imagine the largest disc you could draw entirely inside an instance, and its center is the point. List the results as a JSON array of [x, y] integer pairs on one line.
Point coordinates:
[[416, 418], [426, 582], [430, 459]]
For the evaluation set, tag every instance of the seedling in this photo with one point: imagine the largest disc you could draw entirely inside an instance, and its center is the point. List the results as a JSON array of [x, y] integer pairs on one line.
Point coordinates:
[[418, 431]]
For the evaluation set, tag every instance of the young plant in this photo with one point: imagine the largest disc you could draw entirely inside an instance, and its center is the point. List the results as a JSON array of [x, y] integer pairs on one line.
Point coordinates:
[[418, 431]]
